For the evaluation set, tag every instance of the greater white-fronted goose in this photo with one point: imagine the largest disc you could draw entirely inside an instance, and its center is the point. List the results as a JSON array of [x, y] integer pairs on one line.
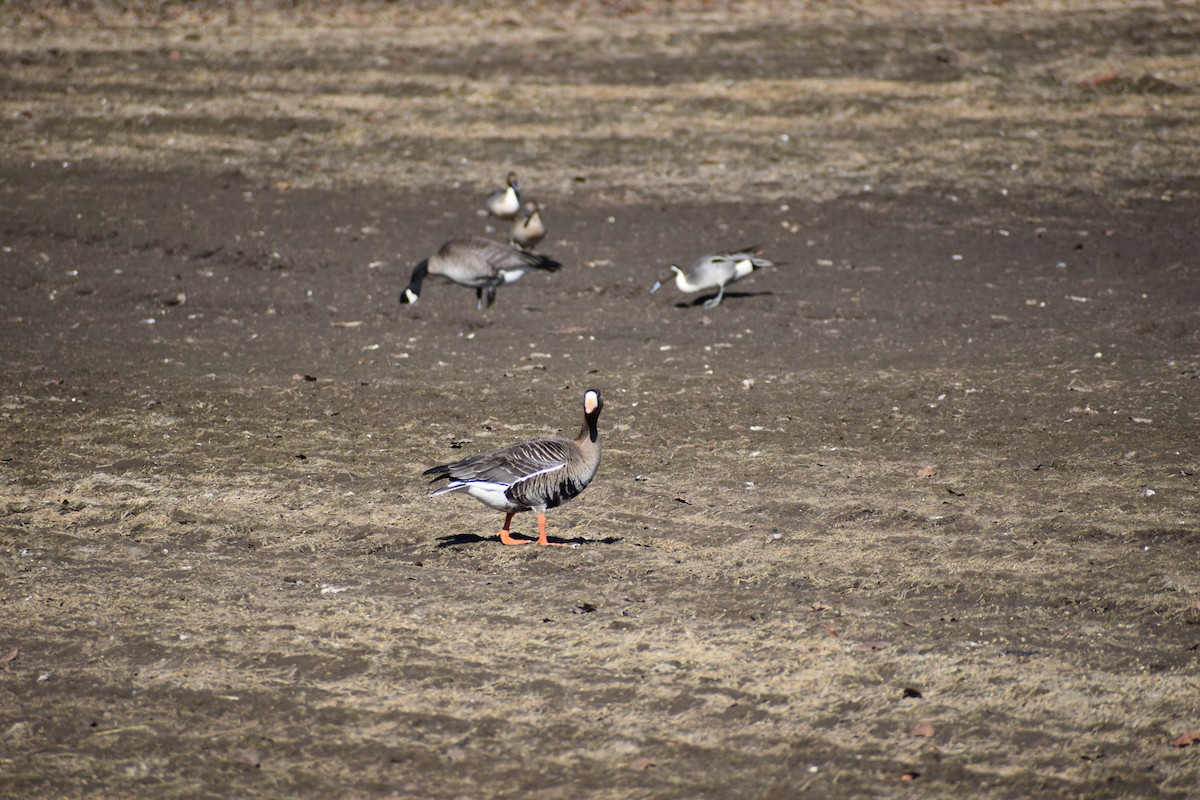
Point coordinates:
[[506, 202], [529, 476], [479, 263], [715, 271], [528, 229]]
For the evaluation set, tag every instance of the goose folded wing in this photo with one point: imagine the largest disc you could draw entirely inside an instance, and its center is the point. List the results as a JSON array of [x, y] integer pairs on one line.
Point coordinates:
[[524, 461]]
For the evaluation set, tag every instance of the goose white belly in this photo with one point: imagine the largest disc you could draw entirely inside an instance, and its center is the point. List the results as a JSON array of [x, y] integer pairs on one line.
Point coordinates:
[[490, 493], [511, 275]]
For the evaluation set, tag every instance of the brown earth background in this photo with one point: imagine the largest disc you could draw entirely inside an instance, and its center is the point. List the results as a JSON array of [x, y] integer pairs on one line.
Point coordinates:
[[914, 512]]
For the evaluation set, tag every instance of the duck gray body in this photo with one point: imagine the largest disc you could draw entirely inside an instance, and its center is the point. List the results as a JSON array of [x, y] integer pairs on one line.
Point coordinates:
[[479, 263], [715, 271], [535, 475], [504, 203]]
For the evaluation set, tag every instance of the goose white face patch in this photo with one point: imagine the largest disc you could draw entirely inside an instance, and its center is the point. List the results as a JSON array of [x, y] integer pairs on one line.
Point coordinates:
[[410, 296], [590, 401]]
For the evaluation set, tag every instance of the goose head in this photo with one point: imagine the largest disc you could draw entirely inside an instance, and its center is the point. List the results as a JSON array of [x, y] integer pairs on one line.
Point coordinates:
[[670, 273], [412, 292]]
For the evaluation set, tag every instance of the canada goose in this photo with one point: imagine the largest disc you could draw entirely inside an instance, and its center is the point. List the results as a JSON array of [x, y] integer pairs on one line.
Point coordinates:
[[476, 262], [505, 203], [528, 229], [529, 476], [715, 271]]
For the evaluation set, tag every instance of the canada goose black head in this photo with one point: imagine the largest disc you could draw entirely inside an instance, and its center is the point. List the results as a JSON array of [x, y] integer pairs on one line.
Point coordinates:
[[412, 292]]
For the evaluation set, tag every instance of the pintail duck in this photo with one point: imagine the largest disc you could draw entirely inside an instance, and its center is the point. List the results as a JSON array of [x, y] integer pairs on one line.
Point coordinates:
[[528, 229], [479, 263], [505, 203], [529, 476], [715, 271]]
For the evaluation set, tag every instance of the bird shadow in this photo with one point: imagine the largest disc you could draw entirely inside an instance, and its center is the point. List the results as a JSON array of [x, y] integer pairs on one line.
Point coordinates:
[[461, 539], [702, 299]]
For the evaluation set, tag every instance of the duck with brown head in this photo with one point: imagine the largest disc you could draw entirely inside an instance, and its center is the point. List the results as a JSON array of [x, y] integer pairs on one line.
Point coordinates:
[[505, 202], [715, 271], [528, 229]]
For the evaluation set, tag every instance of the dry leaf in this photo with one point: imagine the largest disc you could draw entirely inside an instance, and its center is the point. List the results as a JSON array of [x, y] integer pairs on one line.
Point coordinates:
[[926, 472], [829, 631], [249, 756], [821, 607], [11, 655], [642, 764], [924, 730], [1187, 740], [909, 776]]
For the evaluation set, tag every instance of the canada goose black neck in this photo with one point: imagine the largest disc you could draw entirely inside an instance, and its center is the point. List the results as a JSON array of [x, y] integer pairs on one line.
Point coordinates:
[[413, 290]]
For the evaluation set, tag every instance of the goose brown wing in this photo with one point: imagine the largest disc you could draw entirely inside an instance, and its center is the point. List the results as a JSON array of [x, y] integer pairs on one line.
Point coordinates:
[[502, 257]]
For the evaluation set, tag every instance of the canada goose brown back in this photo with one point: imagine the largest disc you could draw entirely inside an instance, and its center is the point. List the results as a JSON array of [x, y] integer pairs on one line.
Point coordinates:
[[504, 203], [529, 476], [478, 263]]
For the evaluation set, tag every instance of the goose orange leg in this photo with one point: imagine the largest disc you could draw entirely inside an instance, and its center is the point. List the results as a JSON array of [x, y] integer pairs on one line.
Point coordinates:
[[542, 540], [505, 538]]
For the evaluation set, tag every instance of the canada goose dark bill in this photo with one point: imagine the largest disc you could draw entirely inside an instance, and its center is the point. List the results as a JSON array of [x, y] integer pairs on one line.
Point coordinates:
[[506, 202], [479, 263], [715, 271], [535, 475]]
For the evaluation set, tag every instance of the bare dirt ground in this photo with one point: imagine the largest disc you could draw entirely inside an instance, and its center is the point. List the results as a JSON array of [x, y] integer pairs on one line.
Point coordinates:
[[914, 511]]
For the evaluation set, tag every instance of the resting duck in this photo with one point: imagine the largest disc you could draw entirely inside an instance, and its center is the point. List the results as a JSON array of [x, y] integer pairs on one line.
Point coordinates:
[[479, 263], [506, 202], [528, 229], [529, 476]]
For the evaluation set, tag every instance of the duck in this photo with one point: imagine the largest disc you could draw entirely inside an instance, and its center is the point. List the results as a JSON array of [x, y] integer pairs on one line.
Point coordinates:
[[533, 475], [528, 229], [479, 263], [504, 203], [715, 271]]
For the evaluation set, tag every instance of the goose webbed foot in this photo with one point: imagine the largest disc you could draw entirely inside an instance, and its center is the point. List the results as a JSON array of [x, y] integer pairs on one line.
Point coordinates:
[[542, 540], [505, 536]]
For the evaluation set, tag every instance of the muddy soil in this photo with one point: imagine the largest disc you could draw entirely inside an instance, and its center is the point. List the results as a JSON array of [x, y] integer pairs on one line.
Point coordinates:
[[918, 505]]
